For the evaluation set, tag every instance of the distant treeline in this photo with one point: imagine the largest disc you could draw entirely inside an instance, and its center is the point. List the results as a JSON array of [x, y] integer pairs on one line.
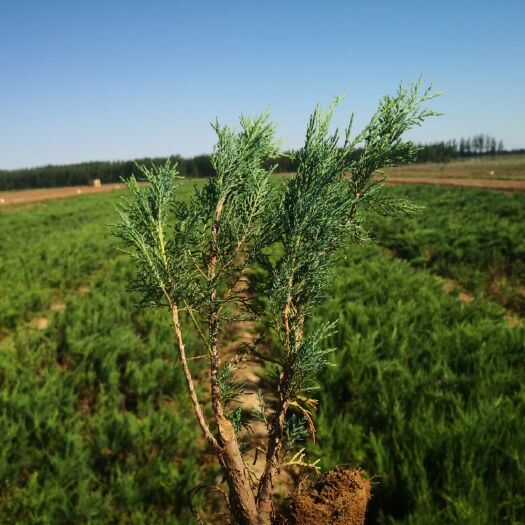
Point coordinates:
[[476, 146], [80, 174], [200, 166]]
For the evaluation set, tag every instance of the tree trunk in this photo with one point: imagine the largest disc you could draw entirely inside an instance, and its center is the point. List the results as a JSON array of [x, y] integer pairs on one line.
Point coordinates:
[[242, 499], [266, 487]]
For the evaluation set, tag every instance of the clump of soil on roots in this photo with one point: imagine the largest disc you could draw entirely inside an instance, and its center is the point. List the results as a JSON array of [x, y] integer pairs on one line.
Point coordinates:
[[340, 497]]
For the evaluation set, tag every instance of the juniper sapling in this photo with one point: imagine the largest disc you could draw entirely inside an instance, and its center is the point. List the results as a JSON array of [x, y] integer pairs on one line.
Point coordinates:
[[192, 259]]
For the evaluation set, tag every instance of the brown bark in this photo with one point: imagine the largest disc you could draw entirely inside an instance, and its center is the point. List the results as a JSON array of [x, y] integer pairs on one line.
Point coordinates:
[[275, 439], [275, 442], [242, 499], [189, 381]]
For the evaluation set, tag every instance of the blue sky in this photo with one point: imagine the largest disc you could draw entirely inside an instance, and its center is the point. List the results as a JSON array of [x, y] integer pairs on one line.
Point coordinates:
[[122, 79]]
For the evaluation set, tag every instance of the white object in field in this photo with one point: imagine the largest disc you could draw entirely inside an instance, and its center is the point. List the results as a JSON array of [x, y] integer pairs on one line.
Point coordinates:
[[96, 183], [491, 172], [79, 191], [2, 200]]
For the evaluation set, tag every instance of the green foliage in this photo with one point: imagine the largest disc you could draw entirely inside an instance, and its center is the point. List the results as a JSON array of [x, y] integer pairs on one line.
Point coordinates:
[[231, 389], [172, 264], [319, 212], [311, 222], [296, 431], [193, 257], [91, 433], [309, 358], [426, 393], [475, 238], [142, 228]]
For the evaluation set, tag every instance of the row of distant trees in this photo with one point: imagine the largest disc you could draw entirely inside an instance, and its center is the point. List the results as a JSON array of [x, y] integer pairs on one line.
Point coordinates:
[[80, 174], [200, 166], [478, 145]]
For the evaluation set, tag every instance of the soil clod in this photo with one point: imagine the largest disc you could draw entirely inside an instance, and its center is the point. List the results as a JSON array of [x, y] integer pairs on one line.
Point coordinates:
[[340, 497]]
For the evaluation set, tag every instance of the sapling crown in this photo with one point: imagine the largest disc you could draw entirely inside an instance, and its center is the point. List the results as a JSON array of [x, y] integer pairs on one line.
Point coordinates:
[[192, 259]]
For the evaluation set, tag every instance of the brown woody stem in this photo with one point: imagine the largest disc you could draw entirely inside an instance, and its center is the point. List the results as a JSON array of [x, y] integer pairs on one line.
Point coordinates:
[[189, 380]]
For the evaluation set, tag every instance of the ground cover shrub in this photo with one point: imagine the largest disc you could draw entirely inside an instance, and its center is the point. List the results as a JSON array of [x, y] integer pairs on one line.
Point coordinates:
[[90, 431], [426, 393], [475, 237], [383, 307], [47, 252], [50, 250]]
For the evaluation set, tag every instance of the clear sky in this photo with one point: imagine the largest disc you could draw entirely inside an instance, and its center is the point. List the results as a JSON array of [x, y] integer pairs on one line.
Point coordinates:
[[107, 79]]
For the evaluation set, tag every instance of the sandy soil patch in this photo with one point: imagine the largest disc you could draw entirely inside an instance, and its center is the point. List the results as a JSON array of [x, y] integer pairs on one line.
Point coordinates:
[[27, 196], [488, 184]]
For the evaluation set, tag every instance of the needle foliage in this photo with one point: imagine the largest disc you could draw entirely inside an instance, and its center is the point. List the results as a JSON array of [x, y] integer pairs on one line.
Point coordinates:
[[194, 257]]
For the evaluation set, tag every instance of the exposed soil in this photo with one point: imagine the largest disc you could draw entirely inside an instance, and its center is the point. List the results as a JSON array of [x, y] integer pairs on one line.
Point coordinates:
[[27, 196], [57, 306], [449, 286], [40, 323], [488, 184], [501, 167], [8, 198], [340, 497]]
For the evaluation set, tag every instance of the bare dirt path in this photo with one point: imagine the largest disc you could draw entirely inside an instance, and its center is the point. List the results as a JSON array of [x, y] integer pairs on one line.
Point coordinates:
[[29, 196], [488, 184]]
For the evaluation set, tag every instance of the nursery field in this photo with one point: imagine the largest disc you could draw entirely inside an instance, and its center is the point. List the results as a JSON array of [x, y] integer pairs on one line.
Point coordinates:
[[427, 395]]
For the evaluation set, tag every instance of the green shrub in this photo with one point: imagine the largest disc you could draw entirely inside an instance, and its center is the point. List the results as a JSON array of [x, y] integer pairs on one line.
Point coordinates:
[[426, 394]]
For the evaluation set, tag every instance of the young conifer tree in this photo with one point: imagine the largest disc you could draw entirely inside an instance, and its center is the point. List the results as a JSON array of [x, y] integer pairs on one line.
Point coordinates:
[[192, 259]]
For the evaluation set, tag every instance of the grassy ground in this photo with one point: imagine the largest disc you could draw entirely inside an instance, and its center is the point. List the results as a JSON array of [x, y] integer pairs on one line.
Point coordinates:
[[427, 393], [93, 429]]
